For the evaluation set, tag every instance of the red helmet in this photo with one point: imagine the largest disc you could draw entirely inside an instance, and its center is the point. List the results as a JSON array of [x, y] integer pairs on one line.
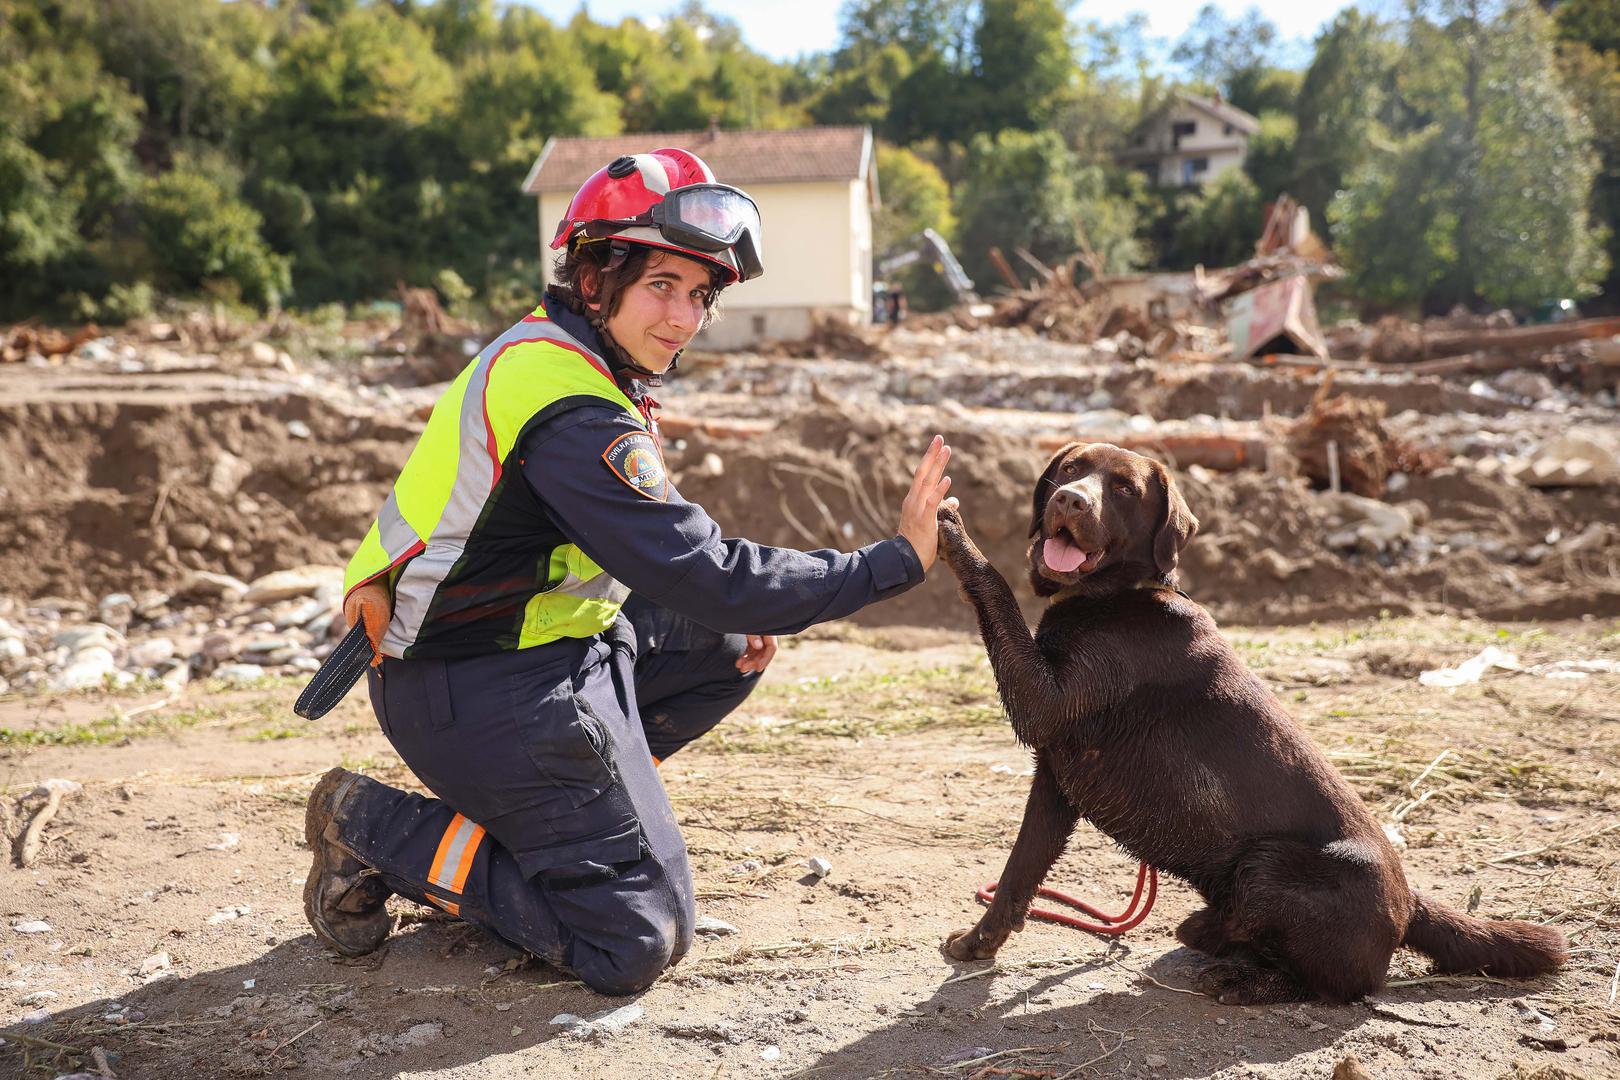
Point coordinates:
[[668, 199]]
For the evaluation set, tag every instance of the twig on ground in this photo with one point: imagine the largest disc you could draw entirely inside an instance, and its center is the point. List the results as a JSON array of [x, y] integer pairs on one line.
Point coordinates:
[[1461, 980], [296, 1037], [43, 1044], [1556, 846], [1386, 1011], [1107, 1052], [54, 791]]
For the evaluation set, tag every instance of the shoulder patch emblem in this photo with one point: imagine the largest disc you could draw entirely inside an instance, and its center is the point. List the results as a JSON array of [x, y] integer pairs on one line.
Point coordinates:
[[634, 458]]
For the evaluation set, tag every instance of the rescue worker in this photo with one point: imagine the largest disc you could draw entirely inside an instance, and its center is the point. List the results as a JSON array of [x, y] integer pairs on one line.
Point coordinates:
[[492, 586]]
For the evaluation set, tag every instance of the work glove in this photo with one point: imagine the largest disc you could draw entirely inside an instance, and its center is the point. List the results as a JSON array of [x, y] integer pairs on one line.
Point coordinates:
[[371, 605]]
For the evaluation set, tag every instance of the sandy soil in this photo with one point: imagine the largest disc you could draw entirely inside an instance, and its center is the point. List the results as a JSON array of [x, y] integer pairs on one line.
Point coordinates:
[[881, 750]]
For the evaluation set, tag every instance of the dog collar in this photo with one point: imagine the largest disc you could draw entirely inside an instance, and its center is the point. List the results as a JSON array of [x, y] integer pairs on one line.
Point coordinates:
[[1072, 591]]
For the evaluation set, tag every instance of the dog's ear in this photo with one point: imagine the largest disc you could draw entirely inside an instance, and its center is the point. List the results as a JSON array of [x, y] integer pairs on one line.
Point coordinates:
[[1176, 528], [1046, 485]]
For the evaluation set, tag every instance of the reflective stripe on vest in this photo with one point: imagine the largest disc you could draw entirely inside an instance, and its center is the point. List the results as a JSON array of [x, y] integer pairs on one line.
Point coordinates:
[[449, 479]]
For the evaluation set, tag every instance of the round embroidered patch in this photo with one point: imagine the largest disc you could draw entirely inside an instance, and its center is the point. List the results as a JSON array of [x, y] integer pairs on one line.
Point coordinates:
[[634, 458]]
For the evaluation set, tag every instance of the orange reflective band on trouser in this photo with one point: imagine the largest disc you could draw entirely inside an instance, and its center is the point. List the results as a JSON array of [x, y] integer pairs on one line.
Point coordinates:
[[454, 859], [657, 761], [454, 909]]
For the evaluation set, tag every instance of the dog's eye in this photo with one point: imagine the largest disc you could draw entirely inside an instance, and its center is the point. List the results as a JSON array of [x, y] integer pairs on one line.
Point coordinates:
[[1127, 490], [1069, 467]]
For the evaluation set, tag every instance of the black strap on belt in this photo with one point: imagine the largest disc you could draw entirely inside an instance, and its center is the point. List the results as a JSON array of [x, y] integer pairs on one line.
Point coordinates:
[[337, 675]]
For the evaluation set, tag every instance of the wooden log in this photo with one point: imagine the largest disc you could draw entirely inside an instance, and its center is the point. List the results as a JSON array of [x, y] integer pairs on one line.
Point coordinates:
[[1222, 453], [1448, 343]]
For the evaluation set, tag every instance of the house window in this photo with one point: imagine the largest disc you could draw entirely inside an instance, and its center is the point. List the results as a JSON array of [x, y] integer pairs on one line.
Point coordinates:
[[1194, 168], [759, 326], [1184, 127], [1228, 129]]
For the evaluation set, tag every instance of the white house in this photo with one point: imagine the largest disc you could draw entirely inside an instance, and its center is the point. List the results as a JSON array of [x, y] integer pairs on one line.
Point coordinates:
[[1195, 141], [816, 189]]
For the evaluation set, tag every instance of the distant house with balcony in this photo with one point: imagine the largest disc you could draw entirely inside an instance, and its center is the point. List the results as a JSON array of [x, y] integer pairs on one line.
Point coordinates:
[[1193, 142]]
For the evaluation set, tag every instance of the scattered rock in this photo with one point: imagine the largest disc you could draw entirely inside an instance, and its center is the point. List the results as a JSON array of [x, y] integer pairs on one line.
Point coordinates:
[[189, 536], [90, 668], [820, 867], [1155, 1061], [76, 639], [1350, 1068], [207, 584], [38, 997], [226, 475], [116, 609], [151, 652], [154, 963], [294, 583], [239, 672], [710, 926], [31, 926], [610, 1022]]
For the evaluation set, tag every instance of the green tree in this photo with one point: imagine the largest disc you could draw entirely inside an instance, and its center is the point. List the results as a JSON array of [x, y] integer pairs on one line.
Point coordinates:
[[915, 197], [1024, 63], [67, 130], [1026, 189], [200, 235], [1593, 23], [1592, 80], [1339, 107], [1270, 160], [1488, 200], [1222, 220]]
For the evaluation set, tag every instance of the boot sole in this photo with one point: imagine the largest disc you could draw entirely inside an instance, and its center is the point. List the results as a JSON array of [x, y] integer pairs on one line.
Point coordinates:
[[323, 803]]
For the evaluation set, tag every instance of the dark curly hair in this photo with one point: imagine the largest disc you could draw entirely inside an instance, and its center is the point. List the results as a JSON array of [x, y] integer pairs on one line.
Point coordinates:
[[581, 275]]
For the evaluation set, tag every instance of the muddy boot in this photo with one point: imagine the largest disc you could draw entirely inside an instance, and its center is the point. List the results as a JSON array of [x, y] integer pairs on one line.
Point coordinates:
[[343, 899]]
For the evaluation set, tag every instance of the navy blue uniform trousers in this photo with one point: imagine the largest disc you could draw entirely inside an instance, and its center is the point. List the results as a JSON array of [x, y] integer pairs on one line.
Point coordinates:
[[551, 826]]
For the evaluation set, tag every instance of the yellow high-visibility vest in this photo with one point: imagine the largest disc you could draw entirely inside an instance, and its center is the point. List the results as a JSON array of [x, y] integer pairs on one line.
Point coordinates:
[[474, 563]]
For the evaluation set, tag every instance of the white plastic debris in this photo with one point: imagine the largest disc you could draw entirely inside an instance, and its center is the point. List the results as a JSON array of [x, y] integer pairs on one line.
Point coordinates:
[[820, 867], [226, 841], [1473, 669], [32, 926], [770, 1053]]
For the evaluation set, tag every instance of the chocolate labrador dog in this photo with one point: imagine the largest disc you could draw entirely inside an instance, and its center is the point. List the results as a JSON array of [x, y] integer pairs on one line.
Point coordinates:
[[1145, 722]]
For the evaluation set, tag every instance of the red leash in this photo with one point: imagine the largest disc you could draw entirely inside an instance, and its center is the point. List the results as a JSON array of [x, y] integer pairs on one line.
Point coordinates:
[[1115, 924]]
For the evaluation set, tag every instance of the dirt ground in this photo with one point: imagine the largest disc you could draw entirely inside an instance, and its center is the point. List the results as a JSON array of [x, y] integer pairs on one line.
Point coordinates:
[[883, 751]]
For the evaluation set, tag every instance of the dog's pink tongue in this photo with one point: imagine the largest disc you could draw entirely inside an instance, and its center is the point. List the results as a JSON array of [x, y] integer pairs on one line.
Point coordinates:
[[1062, 556]]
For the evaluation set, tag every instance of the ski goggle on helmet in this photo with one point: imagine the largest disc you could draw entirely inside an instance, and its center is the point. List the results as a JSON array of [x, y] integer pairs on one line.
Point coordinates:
[[668, 199]]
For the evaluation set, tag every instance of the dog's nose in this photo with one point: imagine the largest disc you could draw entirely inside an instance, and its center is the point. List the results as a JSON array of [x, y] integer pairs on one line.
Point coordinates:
[[1072, 500]]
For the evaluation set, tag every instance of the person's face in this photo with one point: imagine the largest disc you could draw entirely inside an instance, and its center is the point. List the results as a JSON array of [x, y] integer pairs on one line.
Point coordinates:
[[660, 313]]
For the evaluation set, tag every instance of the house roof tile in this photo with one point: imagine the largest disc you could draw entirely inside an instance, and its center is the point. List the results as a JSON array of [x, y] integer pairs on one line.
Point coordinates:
[[1231, 114], [737, 157]]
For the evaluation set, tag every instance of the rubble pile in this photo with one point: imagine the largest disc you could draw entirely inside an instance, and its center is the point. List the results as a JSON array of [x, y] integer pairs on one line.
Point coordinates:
[[210, 626], [153, 479]]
